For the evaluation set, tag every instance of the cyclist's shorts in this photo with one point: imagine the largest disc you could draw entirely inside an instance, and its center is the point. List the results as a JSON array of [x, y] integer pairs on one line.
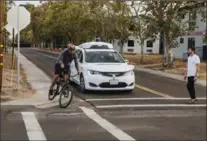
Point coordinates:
[[58, 69]]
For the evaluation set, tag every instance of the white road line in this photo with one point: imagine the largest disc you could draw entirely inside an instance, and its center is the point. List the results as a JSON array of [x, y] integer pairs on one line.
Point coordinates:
[[149, 106], [146, 98], [46, 55], [115, 131], [34, 130], [47, 105]]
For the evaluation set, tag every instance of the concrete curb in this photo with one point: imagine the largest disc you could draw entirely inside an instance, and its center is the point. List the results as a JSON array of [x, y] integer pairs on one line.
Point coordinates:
[[168, 75]]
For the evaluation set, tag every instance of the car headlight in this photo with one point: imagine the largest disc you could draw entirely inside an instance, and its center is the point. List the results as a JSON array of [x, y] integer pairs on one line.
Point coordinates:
[[131, 72], [93, 72]]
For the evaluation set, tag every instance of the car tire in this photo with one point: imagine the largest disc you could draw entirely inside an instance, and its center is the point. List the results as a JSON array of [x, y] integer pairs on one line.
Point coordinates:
[[82, 84]]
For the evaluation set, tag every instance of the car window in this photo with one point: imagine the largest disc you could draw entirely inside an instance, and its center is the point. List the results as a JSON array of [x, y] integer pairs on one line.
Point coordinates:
[[103, 56]]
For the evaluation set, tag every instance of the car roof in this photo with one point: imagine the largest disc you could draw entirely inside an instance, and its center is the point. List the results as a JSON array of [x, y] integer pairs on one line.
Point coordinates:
[[87, 45], [91, 50]]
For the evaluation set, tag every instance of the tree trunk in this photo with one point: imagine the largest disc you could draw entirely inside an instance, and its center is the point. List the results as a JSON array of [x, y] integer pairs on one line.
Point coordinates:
[[165, 62], [168, 52], [171, 57], [142, 53], [162, 43]]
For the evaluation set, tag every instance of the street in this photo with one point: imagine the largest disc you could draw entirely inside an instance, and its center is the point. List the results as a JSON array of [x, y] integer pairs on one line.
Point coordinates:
[[155, 110]]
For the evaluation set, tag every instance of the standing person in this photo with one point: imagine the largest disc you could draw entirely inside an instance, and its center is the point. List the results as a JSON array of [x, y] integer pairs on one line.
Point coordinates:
[[192, 73]]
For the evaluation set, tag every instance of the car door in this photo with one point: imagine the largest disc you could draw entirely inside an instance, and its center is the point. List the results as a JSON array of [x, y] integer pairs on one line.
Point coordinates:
[[73, 68], [80, 64], [79, 54]]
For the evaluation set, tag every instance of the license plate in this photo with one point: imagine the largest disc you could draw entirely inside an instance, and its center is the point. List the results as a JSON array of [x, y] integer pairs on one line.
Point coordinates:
[[114, 82]]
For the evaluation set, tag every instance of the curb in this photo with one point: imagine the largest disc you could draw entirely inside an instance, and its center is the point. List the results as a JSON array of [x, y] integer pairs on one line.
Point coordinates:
[[169, 75]]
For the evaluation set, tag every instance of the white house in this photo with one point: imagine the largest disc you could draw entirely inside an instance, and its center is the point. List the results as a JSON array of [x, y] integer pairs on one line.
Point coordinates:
[[194, 39], [132, 45]]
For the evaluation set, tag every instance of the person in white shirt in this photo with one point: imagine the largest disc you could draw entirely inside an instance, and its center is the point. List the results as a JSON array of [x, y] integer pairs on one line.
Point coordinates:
[[192, 73]]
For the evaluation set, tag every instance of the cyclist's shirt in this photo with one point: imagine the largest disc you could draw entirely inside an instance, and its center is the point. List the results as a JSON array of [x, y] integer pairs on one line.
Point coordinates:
[[66, 58]]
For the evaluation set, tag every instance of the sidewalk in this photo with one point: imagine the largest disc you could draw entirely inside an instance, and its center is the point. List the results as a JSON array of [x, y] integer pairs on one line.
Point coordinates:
[[37, 79], [169, 75]]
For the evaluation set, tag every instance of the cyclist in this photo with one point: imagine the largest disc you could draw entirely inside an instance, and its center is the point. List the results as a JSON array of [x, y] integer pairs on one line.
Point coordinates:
[[63, 62]]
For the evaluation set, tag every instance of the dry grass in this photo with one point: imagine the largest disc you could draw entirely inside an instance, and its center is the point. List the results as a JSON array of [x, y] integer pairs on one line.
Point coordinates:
[[155, 62], [180, 69], [148, 59], [9, 91]]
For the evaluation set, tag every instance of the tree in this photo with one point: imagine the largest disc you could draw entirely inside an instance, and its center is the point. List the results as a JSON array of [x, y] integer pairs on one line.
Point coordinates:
[[119, 14], [165, 17], [140, 27]]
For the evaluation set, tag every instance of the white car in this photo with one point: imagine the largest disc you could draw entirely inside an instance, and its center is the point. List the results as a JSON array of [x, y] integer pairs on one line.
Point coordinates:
[[102, 68]]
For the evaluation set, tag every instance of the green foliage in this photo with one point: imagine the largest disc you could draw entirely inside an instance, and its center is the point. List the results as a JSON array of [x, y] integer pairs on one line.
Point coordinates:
[[59, 22], [79, 21]]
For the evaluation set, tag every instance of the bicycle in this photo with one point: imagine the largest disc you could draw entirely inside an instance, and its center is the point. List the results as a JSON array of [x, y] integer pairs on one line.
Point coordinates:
[[65, 91]]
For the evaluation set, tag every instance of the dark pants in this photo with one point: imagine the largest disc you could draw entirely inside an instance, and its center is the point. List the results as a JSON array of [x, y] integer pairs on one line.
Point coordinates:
[[58, 69], [191, 87]]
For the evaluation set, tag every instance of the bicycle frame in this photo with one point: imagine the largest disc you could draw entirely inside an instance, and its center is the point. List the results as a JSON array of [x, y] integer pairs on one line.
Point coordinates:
[[64, 84]]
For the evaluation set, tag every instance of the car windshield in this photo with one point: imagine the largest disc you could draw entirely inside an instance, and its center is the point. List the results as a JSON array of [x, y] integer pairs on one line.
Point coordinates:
[[103, 57]]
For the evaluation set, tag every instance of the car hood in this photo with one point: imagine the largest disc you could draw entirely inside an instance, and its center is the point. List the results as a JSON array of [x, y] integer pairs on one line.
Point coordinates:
[[110, 67]]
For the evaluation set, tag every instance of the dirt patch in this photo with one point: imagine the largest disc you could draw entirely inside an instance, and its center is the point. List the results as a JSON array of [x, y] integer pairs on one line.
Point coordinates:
[[180, 69], [147, 60], [9, 87], [155, 62]]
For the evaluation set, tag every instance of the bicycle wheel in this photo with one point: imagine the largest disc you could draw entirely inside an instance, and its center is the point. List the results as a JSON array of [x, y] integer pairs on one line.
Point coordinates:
[[66, 97], [55, 91]]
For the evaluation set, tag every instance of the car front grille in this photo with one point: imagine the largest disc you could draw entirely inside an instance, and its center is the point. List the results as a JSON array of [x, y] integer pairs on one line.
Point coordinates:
[[110, 74], [107, 85]]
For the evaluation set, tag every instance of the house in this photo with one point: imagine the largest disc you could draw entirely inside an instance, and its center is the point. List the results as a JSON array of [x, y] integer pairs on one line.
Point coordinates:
[[132, 45], [193, 39]]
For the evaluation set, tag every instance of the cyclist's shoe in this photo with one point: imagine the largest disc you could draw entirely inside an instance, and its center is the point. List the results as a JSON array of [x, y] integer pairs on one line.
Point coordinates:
[[50, 92]]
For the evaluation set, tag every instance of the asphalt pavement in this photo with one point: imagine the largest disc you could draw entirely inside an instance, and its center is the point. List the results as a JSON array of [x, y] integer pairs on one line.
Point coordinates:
[[150, 89], [28, 123], [155, 110]]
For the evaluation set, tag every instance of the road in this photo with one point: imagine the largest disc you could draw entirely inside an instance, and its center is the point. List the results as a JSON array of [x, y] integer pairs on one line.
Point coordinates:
[[145, 114]]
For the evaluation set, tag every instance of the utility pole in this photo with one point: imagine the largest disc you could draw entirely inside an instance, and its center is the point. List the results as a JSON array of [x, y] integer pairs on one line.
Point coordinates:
[[2, 12]]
